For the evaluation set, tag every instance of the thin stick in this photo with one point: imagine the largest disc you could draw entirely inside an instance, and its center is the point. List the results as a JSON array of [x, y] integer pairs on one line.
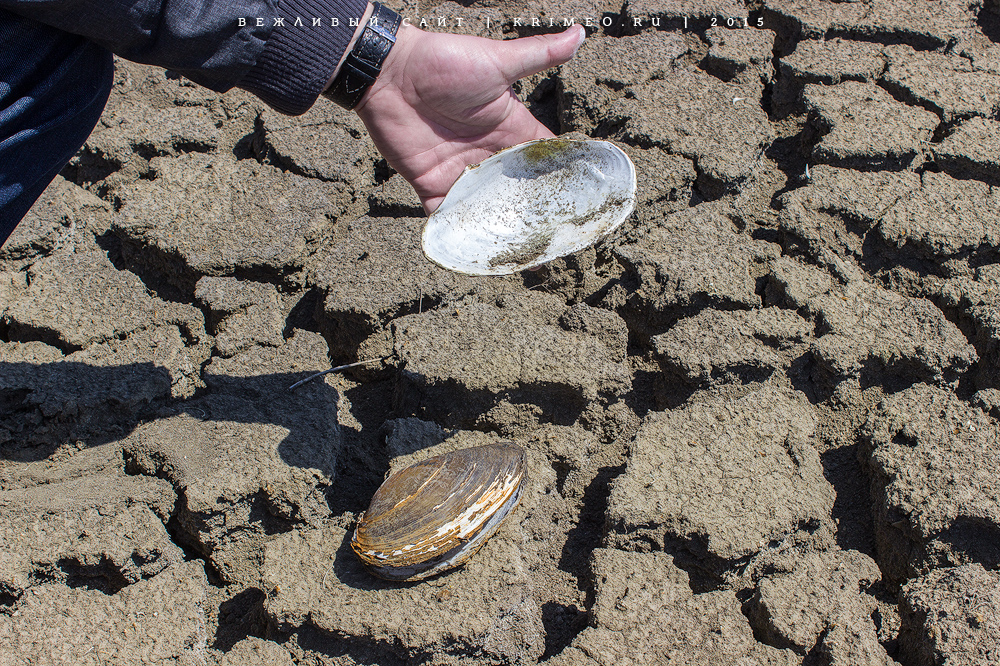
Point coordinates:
[[339, 367]]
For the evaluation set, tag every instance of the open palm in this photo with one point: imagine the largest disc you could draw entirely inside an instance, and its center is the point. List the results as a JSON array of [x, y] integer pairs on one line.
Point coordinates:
[[444, 102]]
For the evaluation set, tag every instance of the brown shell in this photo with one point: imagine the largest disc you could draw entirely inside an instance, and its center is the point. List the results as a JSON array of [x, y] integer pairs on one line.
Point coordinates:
[[435, 514]]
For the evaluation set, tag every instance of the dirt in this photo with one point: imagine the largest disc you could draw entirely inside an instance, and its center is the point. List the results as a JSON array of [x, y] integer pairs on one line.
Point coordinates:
[[762, 419], [524, 252]]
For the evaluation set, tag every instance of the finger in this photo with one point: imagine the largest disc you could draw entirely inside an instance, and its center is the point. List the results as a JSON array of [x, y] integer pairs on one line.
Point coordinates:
[[525, 127], [431, 203], [521, 127], [520, 57], [540, 131]]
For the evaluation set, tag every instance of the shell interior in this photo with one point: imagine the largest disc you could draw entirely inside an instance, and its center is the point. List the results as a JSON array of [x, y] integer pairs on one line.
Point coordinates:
[[435, 514], [530, 204]]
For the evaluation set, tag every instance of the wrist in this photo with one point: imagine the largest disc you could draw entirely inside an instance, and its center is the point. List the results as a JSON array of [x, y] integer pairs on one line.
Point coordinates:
[[395, 62], [363, 64]]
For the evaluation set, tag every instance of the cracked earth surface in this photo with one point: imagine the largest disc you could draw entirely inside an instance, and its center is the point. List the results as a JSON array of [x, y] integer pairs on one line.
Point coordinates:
[[762, 421]]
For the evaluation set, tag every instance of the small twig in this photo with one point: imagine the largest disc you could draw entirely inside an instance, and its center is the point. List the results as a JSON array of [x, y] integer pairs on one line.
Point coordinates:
[[544, 283], [326, 372]]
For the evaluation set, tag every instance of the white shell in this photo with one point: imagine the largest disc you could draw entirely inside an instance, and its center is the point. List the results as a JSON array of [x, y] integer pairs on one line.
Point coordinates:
[[529, 204]]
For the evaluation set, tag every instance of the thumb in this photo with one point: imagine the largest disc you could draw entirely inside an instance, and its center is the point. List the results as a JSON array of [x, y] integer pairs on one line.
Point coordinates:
[[518, 58]]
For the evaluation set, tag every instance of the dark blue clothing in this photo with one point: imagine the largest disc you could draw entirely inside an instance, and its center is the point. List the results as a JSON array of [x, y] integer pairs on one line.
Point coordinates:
[[56, 67], [53, 87]]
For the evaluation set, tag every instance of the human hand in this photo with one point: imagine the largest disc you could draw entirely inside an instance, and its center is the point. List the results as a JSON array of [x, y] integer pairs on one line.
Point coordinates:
[[443, 102]]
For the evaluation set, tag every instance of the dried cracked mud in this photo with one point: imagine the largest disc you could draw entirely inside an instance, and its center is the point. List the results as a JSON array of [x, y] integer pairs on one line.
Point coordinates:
[[762, 420]]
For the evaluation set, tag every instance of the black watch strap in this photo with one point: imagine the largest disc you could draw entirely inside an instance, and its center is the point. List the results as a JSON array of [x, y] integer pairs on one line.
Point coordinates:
[[364, 62]]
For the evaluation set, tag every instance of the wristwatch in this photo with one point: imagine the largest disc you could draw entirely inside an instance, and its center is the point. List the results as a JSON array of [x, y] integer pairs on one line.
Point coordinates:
[[364, 62]]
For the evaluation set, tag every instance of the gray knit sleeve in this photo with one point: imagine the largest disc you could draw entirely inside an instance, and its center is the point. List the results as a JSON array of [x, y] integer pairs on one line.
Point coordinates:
[[300, 57], [219, 44]]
